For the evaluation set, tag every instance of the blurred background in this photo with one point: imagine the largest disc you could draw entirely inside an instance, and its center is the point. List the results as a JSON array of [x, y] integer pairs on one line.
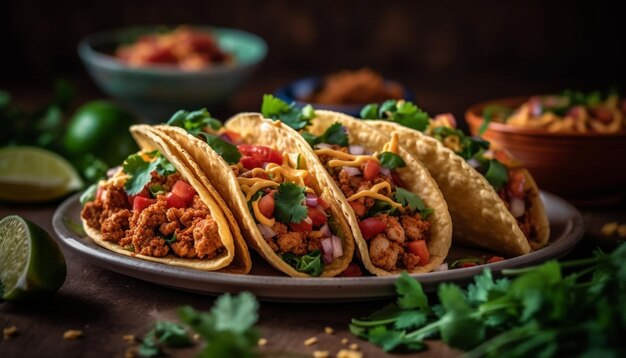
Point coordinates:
[[451, 54]]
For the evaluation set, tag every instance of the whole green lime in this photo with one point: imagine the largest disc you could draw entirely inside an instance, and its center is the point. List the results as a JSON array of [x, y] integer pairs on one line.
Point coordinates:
[[101, 128]]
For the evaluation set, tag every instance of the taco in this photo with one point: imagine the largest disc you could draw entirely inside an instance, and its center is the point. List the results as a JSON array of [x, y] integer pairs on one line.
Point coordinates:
[[494, 202], [285, 213], [156, 208], [397, 214]]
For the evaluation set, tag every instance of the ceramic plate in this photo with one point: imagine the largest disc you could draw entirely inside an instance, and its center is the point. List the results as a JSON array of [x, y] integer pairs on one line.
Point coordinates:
[[566, 226]]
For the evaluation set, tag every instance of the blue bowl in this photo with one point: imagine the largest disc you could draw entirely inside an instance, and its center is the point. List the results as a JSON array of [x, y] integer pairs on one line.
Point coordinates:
[[303, 88], [156, 92]]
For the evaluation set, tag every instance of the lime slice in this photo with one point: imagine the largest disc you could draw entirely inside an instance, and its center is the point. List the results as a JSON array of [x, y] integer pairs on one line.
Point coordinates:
[[31, 263], [34, 174]]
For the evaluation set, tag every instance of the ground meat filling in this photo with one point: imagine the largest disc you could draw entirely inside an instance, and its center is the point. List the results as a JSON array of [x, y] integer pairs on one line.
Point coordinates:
[[156, 230], [388, 250], [297, 243]]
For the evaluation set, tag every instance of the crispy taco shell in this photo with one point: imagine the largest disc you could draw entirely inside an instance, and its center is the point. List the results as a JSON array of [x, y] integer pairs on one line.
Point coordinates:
[[415, 177], [253, 129], [234, 259], [480, 217]]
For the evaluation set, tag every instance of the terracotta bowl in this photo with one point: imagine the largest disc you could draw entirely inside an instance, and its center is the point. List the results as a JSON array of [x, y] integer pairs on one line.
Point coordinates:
[[587, 168]]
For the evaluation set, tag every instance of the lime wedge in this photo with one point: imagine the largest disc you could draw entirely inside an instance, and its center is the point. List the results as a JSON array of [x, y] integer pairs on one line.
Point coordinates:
[[32, 174], [31, 263]]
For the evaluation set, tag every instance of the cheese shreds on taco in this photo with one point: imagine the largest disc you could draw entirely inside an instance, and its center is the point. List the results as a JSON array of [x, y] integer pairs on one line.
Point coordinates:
[[284, 212], [494, 202], [397, 214], [155, 208]]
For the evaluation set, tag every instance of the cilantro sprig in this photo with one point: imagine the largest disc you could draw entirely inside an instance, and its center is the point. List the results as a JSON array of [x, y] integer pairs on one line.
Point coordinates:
[[194, 122], [227, 151], [227, 330], [391, 160], [140, 170], [415, 203], [404, 113], [335, 134], [288, 203], [535, 311], [290, 114]]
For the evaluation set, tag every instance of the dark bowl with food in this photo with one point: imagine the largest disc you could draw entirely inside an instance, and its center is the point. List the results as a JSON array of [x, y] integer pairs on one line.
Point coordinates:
[[583, 165], [160, 77], [347, 91]]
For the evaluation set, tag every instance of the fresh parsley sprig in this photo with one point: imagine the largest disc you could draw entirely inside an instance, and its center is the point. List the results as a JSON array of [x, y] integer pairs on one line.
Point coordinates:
[[539, 312], [140, 170], [290, 114], [404, 113], [288, 203]]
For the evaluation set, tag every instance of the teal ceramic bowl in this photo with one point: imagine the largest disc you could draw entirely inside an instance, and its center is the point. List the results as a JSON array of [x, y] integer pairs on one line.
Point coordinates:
[[156, 92]]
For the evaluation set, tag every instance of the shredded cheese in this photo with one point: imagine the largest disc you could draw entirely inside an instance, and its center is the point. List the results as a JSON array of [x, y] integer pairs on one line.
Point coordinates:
[[260, 217], [373, 193], [251, 185], [345, 159], [392, 145]]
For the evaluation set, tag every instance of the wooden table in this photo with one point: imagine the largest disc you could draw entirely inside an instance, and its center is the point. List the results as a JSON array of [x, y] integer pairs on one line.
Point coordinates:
[[107, 306]]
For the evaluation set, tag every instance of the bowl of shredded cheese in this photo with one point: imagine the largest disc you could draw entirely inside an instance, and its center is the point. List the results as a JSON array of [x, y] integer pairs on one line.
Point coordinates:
[[574, 143]]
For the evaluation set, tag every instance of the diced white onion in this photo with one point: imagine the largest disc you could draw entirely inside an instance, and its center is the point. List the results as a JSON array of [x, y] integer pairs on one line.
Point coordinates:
[[517, 207], [308, 220], [352, 171], [442, 267], [325, 231], [474, 163], [337, 249], [266, 231], [111, 172], [323, 145], [327, 248], [386, 172], [356, 149]]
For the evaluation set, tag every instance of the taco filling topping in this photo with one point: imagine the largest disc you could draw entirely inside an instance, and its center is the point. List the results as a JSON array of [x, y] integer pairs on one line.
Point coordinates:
[[293, 219], [392, 219], [505, 175], [147, 208]]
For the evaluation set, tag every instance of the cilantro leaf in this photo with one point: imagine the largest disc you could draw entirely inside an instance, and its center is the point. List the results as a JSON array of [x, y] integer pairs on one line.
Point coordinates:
[[163, 334], [140, 170], [459, 329], [402, 112], [289, 114], [288, 200], [380, 207], [310, 263], [227, 151], [89, 194], [391, 160], [497, 174], [414, 202], [410, 292], [335, 134], [235, 313], [194, 122], [370, 111], [411, 318], [385, 338]]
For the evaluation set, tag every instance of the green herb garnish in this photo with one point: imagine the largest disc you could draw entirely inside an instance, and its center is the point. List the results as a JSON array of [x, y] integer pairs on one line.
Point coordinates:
[[290, 114], [489, 112], [335, 134], [194, 122], [539, 312], [156, 190], [170, 239], [163, 334], [288, 203], [227, 151], [497, 175], [89, 194], [415, 203], [310, 263], [404, 113], [391, 160], [140, 170]]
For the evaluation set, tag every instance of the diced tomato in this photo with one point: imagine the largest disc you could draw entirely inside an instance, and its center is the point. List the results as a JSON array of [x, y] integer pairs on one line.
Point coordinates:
[[359, 209], [371, 169], [266, 205], [371, 227], [261, 153], [161, 55], [468, 264], [321, 202], [493, 259], [184, 191], [353, 270], [419, 249], [143, 193], [250, 163], [317, 217], [302, 226], [141, 203], [174, 201], [517, 179]]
